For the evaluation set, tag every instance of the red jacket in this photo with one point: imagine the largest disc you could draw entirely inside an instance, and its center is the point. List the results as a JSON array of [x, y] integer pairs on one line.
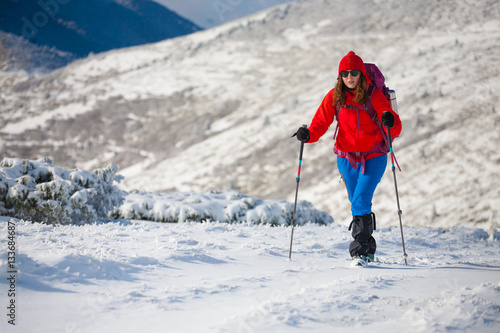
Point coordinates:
[[357, 132]]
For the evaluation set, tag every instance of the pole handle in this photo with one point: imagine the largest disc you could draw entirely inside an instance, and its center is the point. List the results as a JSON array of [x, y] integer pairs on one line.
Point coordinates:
[[295, 134], [389, 138]]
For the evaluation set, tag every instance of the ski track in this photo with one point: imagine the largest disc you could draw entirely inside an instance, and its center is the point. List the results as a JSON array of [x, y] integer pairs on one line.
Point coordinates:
[[212, 277]]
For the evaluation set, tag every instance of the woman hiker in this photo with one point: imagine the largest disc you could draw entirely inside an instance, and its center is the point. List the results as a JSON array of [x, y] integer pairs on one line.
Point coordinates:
[[360, 147]]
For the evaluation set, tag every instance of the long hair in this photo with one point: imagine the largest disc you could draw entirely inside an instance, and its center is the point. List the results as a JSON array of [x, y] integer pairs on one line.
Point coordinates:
[[339, 96]]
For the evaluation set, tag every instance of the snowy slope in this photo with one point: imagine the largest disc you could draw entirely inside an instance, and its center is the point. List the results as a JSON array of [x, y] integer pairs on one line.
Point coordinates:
[[216, 109], [19, 55], [156, 277]]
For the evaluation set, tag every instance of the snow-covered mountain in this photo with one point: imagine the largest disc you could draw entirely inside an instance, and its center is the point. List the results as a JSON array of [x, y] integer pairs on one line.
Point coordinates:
[[216, 109], [83, 27]]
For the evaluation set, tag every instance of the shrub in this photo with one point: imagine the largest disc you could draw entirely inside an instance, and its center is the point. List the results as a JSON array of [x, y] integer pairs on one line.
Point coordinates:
[[40, 192]]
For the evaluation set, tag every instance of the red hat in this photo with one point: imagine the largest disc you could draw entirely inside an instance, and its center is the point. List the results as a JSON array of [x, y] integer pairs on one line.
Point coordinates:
[[350, 62]]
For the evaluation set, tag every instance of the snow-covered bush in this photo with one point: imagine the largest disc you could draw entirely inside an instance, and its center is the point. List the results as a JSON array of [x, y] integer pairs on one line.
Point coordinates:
[[222, 206], [38, 191]]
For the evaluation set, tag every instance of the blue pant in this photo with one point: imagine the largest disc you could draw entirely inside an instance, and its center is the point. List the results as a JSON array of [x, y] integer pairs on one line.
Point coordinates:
[[362, 186]]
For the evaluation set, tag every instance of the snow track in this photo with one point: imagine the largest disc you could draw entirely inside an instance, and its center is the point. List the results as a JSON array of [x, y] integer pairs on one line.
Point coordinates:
[[213, 277]]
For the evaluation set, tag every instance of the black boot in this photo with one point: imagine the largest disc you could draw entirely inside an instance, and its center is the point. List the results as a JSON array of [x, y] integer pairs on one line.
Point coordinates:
[[364, 244]]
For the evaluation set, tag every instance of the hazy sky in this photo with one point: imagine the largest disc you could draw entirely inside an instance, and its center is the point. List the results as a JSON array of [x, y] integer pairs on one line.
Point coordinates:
[[209, 13]]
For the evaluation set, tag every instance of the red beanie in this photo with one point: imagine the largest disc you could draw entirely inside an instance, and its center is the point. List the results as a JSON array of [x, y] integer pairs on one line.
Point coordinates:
[[350, 62]]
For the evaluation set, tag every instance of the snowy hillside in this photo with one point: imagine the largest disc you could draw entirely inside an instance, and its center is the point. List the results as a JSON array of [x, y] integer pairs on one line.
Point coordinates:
[[18, 55], [208, 277], [216, 109]]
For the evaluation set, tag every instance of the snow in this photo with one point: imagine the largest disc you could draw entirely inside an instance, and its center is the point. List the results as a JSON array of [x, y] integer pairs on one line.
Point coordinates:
[[221, 206], [126, 276], [34, 122], [38, 191]]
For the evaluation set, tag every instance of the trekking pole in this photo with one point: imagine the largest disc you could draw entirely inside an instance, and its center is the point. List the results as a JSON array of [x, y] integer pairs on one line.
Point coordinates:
[[296, 194], [400, 212]]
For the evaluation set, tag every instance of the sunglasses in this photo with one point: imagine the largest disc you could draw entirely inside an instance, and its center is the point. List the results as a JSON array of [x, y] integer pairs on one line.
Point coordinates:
[[353, 73]]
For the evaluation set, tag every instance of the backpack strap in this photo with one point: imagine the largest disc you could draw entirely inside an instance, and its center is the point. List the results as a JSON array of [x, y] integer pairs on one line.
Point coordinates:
[[337, 111], [369, 105], [371, 111]]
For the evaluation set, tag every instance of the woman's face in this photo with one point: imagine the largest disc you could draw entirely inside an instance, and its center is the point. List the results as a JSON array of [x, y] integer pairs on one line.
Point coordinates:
[[351, 81]]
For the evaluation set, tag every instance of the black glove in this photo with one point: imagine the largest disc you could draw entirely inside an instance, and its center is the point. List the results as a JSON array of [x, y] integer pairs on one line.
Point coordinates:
[[387, 119], [302, 134]]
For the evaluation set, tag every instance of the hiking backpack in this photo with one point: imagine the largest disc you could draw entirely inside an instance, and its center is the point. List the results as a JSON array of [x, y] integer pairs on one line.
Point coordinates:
[[377, 81]]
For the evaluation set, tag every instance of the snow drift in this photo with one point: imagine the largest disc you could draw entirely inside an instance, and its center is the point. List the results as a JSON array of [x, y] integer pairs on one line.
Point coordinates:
[[218, 206]]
